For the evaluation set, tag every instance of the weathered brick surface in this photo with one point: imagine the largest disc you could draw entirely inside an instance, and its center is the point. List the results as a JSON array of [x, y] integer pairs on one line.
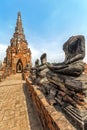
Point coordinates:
[[16, 107], [25, 74], [51, 119], [18, 55]]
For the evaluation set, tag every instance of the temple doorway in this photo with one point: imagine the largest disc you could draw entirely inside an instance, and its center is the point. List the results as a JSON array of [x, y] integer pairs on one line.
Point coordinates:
[[19, 66]]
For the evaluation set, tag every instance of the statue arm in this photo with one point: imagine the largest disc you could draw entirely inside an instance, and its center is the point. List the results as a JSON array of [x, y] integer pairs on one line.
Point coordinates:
[[54, 67], [41, 67], [76, 58]]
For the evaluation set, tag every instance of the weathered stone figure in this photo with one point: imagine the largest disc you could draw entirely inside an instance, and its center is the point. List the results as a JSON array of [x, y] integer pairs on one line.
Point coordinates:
[[37, 63], [64, 85], [43, 59], [42, 69], [74, 50]]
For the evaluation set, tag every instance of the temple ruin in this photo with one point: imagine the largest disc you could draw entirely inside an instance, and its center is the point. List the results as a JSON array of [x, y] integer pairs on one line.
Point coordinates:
[[46, 96], [18, 55]]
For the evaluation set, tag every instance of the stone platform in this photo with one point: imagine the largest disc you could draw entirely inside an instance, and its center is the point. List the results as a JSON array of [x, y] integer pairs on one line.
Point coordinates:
[[16, 108]]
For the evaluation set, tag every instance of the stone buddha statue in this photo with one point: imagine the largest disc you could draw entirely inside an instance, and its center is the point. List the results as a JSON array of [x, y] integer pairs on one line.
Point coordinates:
[[37, 63], [43, 59], [74, 50]]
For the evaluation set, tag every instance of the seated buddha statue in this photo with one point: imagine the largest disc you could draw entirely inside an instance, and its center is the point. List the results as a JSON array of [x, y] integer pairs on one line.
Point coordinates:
[[73, 65]]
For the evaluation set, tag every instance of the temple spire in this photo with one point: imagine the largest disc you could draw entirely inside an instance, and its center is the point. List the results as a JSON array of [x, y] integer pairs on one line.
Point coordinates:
[[19, 28], [19, 16], [18, 36]]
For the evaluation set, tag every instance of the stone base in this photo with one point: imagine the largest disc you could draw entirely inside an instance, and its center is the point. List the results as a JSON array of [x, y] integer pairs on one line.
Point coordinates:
[[77, 117], [71, 96]]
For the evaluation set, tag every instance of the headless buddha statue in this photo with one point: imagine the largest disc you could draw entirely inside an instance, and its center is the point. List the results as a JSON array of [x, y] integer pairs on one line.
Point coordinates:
[[74, 50]]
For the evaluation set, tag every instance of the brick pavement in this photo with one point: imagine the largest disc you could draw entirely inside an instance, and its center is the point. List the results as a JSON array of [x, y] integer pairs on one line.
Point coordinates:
[[16, 108]]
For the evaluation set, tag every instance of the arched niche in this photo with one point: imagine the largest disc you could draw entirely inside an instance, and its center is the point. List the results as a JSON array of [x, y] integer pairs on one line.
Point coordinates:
[[19, 66]]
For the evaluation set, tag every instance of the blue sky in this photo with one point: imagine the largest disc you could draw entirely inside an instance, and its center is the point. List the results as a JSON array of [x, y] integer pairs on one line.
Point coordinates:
[[47, 24]]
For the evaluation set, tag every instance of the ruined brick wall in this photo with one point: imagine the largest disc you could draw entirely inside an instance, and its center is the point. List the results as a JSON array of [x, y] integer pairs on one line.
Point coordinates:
[[50, 118], [25, 74], [18, 55]]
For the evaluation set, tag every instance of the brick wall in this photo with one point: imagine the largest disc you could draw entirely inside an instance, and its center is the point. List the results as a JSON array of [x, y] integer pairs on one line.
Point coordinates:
[[4, 74], [51, 119], [25, 74]]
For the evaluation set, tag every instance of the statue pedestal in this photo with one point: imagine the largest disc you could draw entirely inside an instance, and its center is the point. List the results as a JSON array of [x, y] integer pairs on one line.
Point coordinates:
[[77, 117], [71, 95]]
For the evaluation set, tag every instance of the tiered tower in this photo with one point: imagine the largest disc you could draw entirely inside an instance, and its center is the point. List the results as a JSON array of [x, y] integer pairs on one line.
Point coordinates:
[[18, 55]]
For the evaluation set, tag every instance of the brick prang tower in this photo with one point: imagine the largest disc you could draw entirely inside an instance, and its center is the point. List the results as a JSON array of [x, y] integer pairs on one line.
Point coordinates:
[[18, 55]]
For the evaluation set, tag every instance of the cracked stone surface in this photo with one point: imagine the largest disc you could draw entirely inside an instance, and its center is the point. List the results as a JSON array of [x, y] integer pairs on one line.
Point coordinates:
[[16, 107]]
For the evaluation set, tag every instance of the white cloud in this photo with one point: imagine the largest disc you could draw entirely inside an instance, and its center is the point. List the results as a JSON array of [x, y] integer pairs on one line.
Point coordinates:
[[53, 49], [35, 53], [2, 51]]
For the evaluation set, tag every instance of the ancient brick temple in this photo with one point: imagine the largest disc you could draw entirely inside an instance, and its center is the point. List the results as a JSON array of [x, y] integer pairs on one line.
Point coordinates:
[[18, 55]]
